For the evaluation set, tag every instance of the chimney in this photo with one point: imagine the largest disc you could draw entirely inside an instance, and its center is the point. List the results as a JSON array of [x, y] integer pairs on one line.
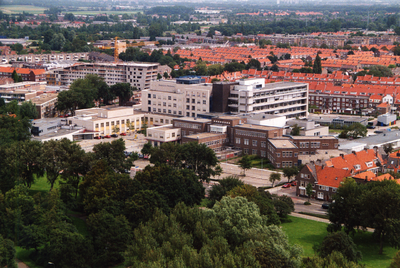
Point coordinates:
[[323, 166], [354, 152], [342, 155], [366, 178], [366, 149]]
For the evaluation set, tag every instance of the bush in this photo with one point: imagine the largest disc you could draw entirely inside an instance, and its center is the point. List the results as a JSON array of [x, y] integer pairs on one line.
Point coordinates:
[[307, 203]]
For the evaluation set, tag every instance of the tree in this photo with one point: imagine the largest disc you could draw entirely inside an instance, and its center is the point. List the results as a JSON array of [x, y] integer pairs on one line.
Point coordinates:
[[245, 163], [201, 159], [67, 249], [28, 110], [274, 177], [388, 148], [224, 185], [147, 148], [381, 214], [27, 160], [17, 78], [309, 191], [289, 172], [110, 236], [14, 129], [123, 91], [275, 68], [113, 154], [7, 253], [159, 76], [52, 161], [334, 260], [166, 75], [357, 130], [339, 242], [263, 200], [295, 130], [283, 205], [344, 210], [317, 67], [175, 185]]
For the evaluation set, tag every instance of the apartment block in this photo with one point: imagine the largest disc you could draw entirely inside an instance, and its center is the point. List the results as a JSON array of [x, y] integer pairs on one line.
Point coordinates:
[[282, 153], [168, 97], [137, 74], [45, 104], [283, 98]]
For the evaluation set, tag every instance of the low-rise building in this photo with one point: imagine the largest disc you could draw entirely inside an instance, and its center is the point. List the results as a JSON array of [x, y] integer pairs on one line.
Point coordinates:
[[45, 104], [282, 153], [162, 134]]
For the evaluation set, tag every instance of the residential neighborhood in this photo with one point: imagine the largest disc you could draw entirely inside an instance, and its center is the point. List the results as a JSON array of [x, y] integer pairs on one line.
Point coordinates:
[[199, 134]]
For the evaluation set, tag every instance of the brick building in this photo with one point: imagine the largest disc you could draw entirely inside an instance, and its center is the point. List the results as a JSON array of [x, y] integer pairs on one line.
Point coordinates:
[[190, 126], [252, 139], [33, 75]]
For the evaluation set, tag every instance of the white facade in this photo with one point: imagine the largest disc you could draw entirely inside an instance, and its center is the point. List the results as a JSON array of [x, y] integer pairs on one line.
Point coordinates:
[[106, 121], [283, 98], [167, 97], [137, 74], [166, 133]]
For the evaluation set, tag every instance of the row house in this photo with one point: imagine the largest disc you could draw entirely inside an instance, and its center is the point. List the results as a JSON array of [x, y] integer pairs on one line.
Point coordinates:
[[33, 75]]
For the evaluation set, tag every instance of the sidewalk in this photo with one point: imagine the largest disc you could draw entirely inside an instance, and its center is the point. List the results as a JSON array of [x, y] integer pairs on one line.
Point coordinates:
[[298, 215]]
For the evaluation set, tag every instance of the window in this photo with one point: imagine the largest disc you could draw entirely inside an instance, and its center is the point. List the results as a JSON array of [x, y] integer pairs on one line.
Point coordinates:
[[193, 101], [187, 100], [193, 108], [278, 165], [254, 142], [204, 102], [237, 141], [173, 134], [254, 152], [263, 153], [246, 151], [263, 144], [149, 96], [169, 97], [246, 141], [320, 195], [278, 155]]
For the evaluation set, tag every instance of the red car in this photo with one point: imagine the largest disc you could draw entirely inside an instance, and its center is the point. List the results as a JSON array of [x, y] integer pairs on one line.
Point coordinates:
[[294, 183], [286, 185], [107, 136], [122, 134]]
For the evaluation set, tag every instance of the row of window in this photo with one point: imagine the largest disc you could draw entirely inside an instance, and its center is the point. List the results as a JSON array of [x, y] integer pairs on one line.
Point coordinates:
[[253, 142]]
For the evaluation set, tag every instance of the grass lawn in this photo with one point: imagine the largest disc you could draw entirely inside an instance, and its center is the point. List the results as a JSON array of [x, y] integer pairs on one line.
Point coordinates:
[[308, 233], [41, 185], [13, 9], [24, 256]]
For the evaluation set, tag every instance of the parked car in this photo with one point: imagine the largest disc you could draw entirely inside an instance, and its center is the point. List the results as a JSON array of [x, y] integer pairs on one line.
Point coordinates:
[[140, 156], [286, 185], [294, 183], [325, 205], [114, 135], [371, 127], [97, 138], [101, 137], [123, 134], [146, 156], [107, 136]]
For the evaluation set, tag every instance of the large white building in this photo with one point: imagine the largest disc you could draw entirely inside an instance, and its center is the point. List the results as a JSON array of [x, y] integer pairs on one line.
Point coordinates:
[[253, 96], [167, 97], [109, 120], [137, 74]]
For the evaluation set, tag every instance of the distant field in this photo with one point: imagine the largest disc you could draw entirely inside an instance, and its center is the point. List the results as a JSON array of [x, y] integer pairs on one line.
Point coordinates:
[[13, 9], [109, 12]]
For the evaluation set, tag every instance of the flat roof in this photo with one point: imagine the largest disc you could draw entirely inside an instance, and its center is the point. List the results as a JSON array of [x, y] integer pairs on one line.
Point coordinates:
[[256, 127], [316, 138], [44, 98], [282, 143], [203, 135], [228, 117], [60, 132], [283, 85], [194, 120], [381, 138], [172, 86]]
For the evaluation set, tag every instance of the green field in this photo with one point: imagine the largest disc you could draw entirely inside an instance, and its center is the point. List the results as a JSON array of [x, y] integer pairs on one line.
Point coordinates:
[[307, 233], [14, 9]]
